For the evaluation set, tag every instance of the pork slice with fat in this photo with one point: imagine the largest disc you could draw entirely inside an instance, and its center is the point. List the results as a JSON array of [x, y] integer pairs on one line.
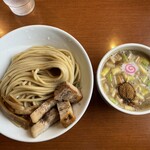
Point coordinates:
[[43, 124], [67, 91], [66, 114], [41, 110]]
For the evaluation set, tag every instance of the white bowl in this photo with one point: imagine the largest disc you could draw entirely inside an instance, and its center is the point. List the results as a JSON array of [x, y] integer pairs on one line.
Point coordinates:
[[25, 37], [130, 46]]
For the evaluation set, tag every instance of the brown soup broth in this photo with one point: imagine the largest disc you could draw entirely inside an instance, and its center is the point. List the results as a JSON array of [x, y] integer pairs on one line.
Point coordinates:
[[125, 79]]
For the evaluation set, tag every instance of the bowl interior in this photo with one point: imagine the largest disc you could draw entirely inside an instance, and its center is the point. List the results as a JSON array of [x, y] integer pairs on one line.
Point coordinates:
[[130, 46], [25, 37]]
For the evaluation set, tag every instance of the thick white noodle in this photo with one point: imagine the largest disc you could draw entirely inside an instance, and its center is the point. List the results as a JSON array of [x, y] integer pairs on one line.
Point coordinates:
[[29, 79]]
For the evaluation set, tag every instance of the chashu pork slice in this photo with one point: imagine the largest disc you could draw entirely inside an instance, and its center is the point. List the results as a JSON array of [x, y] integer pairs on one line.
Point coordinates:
[[66, 114], [51, 117], [67, 91], [41, 110], [17, 120]]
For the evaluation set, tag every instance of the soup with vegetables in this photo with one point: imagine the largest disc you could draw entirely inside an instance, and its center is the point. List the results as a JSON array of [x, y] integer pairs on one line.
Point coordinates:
[[126, 80]]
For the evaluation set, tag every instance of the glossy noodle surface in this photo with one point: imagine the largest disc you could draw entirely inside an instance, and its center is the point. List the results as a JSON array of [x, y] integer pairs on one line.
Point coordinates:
[[32, 78]]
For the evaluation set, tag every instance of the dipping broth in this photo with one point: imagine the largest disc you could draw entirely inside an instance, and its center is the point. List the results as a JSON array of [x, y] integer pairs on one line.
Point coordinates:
[[125, 79]]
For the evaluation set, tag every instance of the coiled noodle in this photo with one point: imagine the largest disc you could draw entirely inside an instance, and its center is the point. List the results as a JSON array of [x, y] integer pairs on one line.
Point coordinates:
[[34, 74]]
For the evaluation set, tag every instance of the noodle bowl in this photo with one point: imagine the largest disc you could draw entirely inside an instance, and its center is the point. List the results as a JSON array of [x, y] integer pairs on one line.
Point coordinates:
[[25, 37]]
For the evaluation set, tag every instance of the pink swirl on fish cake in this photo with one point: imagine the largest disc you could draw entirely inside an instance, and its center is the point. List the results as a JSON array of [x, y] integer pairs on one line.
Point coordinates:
[[130, 68]]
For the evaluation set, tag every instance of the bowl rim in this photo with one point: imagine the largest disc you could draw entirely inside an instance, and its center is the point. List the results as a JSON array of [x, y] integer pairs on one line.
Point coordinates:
[[90, 74], [99, 86]]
